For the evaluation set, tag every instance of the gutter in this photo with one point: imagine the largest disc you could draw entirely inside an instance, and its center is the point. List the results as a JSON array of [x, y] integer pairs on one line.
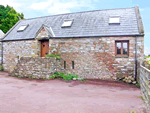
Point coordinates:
[[100, 36]]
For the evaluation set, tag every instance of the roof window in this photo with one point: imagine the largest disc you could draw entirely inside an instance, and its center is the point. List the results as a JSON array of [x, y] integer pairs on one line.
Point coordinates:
[[114, 20], [22, 28], [67, 23]]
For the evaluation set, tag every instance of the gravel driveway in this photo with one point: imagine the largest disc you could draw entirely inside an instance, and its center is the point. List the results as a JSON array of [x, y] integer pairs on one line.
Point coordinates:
[[19, 95]]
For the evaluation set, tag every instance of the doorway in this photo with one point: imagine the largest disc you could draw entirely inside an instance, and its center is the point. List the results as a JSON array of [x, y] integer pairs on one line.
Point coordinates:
[[44, 48]]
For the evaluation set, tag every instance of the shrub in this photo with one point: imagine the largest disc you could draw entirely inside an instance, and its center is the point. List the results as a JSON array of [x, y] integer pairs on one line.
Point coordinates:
[[62, 75], [16, 75], [56, 73], [51, 55], [2, 69], [82, 80], [137, 85], [58, 57]]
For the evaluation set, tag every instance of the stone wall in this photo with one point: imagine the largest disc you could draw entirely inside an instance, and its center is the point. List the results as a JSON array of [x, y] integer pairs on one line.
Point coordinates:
[[140, 49], [145, 84], [95, 57], [14, 50], [140, 55], [92, 57], [37, 67]]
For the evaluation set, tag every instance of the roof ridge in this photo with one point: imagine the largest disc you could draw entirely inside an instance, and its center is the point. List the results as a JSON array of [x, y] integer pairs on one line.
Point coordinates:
[[78, 12]]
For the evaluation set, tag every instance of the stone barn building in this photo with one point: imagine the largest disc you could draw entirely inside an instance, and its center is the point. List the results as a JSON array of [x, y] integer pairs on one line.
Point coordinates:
[[103, 44]]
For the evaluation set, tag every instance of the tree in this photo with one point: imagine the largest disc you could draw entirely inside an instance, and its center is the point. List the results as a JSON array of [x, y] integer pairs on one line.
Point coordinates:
[[8, 17]]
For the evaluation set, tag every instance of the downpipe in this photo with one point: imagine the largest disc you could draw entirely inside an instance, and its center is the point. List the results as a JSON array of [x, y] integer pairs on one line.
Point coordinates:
[[135, 58]]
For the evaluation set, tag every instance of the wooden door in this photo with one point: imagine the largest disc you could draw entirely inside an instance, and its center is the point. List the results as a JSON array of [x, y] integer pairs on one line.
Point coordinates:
[[44, 48]]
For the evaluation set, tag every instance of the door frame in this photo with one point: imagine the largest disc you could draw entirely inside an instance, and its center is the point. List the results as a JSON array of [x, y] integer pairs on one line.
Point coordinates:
[[41, 46]]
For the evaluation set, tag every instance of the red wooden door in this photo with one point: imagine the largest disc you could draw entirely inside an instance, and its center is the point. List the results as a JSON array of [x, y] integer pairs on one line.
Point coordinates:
[[44, 48]]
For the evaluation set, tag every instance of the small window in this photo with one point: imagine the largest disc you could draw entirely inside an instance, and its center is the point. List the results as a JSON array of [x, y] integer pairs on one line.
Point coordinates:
[[64, 64], [122, 48], [114, 20], [67, 23], [22, 28], [72, 64]]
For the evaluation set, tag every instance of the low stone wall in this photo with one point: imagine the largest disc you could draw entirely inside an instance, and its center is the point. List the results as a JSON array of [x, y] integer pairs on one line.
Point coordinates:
[[43, 67], [145, 84], [37, 67]]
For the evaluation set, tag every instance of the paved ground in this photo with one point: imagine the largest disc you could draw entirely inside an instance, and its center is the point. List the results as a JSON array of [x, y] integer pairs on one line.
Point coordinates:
[[57, 96]]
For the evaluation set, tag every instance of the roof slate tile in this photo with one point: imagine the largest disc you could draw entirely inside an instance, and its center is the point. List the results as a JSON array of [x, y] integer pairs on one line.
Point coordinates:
[[90, 23]]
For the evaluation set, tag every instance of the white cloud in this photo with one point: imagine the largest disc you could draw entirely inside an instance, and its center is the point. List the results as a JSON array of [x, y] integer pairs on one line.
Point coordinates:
[[141, 9], [147, 51], [41, 5], [57, 7], [144, 9], [12, 3], [147, 33]]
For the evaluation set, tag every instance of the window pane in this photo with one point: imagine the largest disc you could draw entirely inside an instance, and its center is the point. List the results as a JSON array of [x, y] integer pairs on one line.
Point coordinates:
[[23, 27], [125, 51], [114, 20], [118, 48], [119, 45], [67, 23], [125, 45]]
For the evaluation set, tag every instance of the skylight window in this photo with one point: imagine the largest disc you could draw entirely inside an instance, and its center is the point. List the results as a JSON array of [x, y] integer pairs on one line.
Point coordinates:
[[67, 23], [22, 28], [114, 20]]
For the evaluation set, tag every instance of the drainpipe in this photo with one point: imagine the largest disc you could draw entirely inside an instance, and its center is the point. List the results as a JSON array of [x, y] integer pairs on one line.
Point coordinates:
[[2, 54], [136, 58]]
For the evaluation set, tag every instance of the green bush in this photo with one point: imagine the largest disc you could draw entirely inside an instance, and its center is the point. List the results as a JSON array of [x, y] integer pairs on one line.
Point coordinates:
[[16, 75], [83, 80], [62, 75], [2, 69], [58, 57], [51, 55], [137, 85], [56, 73]]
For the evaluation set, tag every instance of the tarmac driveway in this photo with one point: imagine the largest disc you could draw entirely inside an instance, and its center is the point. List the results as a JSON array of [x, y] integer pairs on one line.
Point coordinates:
[[19, 95]]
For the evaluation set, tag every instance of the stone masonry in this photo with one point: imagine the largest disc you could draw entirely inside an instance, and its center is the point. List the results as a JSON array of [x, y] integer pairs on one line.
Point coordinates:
[[95, 57], [37, 67], [14, 50], [92, 57]]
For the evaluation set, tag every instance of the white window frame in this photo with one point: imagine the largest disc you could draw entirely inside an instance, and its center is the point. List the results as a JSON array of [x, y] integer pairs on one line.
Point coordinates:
[[114, 20], [67, 23], [22, 27]]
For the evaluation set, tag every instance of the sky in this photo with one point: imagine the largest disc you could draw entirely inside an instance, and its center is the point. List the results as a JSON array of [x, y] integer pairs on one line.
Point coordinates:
[[37, 8]]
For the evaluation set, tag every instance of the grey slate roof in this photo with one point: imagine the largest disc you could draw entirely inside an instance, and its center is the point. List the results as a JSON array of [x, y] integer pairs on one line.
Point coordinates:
[[88, 23]]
